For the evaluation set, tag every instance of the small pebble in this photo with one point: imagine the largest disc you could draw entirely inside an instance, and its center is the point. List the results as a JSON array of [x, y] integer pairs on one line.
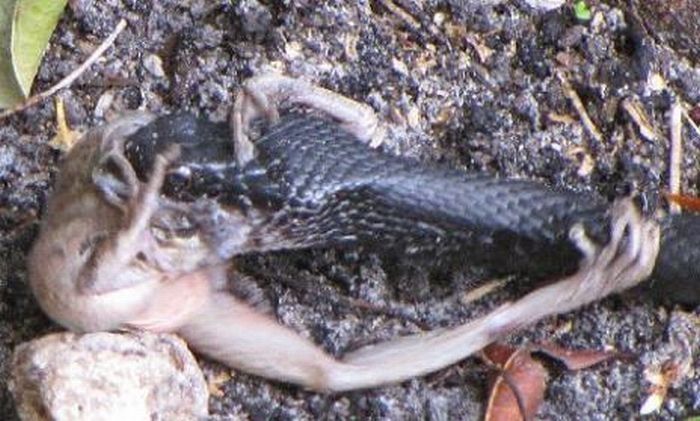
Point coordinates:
[[154, 65]]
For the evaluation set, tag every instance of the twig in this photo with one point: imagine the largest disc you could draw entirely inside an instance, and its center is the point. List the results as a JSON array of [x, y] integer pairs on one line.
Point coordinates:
[[639, 117], [483, 290], [691, 122], [401, 14], [416, 21], [571, 93], [68, 80], [676, 151]]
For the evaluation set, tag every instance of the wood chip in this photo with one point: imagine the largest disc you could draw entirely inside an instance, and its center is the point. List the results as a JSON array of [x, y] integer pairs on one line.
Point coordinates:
[[571, 93], [638, 115], [676, 152]]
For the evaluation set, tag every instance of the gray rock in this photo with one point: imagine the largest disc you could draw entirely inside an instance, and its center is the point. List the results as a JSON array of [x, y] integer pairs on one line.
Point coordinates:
[[107, 376]]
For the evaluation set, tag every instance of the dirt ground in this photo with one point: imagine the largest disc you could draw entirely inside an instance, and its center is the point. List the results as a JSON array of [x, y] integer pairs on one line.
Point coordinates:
[[477, 85]]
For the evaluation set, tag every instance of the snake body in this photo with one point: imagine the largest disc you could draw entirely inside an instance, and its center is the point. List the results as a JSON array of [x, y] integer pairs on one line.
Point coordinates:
[[313, 185]]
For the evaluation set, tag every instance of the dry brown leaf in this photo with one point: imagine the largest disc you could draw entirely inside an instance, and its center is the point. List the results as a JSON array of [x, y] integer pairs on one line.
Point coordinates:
[[694, 114], [216, 382], [576, 359], [661, 378], [519, 390], [685, 202]]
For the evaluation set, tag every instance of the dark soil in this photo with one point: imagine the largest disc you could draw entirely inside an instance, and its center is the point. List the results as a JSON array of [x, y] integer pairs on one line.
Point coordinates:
[[475, 86]]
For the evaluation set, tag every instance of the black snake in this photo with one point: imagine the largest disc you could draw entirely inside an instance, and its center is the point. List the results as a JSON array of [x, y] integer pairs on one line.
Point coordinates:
[[313, 185]]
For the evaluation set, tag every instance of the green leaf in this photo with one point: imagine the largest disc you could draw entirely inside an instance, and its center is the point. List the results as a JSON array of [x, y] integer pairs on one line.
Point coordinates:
[[34, 22], [10, 91], [582, 11], [25, 29]]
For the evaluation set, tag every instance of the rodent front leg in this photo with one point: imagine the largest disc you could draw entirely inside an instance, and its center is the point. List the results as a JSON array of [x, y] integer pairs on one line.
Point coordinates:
[[114, 252]]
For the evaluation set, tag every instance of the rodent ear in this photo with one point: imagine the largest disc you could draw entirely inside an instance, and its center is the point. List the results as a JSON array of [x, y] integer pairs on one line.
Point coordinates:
[[115, 179]]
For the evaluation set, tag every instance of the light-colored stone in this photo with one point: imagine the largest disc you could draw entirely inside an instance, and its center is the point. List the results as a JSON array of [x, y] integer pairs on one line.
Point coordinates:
[[107, 376], [154, 65], [103, 104], [545, 5]]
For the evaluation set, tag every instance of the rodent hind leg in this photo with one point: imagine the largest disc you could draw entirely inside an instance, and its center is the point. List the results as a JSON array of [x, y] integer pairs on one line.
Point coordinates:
[[231, 332], [261, 95], [626, 260], [176, 300]]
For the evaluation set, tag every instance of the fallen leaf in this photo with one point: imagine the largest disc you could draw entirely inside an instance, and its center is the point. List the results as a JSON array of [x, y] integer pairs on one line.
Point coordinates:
[[694, 114], [10, 91], [685, 202], [575, 359], [498, 354], [25, 29], [65, 138], [519, 390], [662, 377], [582, 11], [216, 382], [34, 22]]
